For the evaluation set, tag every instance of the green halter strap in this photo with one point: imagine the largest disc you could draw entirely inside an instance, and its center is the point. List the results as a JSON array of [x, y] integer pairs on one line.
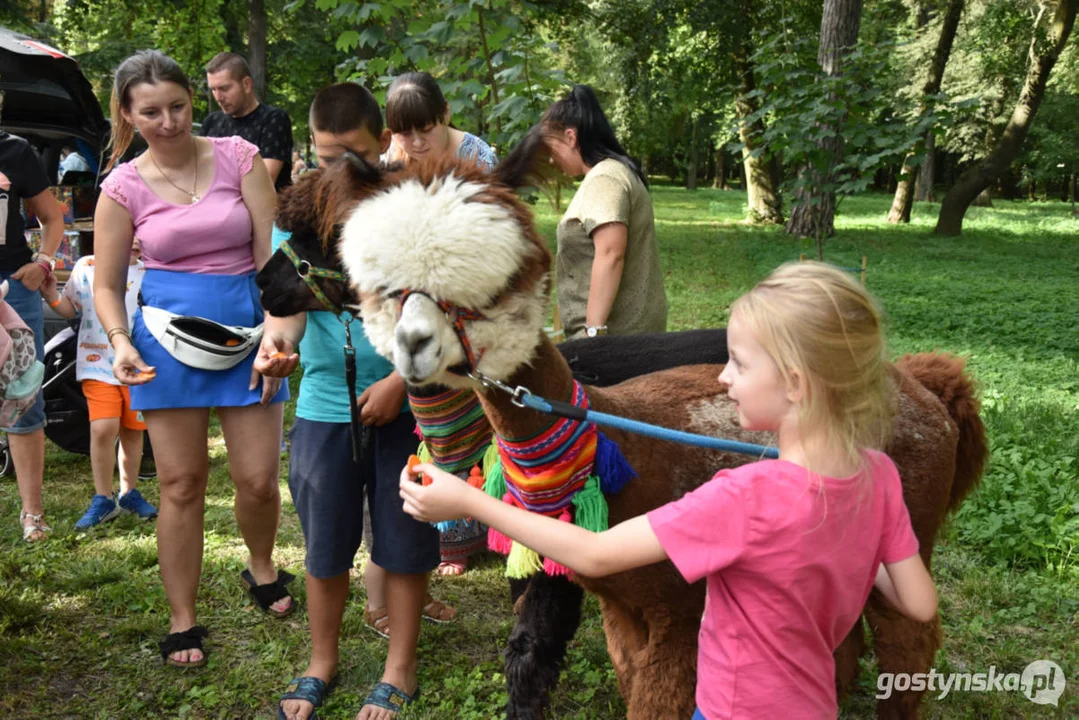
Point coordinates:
[[309, 272]]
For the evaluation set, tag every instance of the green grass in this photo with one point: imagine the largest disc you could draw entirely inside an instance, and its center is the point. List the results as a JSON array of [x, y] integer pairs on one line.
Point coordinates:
[[80, 614]]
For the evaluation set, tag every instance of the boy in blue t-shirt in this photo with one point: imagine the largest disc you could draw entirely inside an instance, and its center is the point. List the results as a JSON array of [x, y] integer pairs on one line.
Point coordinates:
[[327, 485]]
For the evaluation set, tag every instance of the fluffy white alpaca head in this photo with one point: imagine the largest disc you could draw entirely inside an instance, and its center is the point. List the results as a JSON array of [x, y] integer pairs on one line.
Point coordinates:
[[452, 236]]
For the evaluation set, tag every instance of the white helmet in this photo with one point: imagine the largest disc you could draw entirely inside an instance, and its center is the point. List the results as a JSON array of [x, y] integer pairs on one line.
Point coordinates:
[[198, 342]]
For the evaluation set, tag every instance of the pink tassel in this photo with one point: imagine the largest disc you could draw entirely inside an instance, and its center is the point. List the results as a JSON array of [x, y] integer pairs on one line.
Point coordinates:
[[418, 431], [497, 542], [550, 566]]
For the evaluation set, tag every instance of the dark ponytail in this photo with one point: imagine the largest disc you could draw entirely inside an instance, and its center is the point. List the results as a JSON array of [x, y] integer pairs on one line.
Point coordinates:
[[580, 110]]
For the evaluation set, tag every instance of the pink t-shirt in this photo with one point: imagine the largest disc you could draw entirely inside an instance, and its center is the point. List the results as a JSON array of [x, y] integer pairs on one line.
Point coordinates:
[[790, 561], [211, 236]]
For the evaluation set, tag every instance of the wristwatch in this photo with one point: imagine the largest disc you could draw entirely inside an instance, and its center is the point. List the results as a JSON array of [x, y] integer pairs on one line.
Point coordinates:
[[45, 259], [595, 330]]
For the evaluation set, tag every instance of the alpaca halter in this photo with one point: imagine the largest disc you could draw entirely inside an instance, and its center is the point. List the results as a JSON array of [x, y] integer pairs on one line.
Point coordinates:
[[309, 272], [562, 472], [457, 316]]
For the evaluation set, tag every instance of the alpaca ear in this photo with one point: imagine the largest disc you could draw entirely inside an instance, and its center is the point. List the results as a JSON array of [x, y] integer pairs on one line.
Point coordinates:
[[529, 165], [343, 184], [360, 172]]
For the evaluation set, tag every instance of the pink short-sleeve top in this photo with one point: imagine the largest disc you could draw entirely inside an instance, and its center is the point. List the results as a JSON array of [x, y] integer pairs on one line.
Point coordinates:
[[211, 236], [790, 559]]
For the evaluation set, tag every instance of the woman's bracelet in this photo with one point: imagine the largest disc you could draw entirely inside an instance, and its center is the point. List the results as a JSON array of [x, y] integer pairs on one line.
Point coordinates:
[[56, 303], [119, 331]]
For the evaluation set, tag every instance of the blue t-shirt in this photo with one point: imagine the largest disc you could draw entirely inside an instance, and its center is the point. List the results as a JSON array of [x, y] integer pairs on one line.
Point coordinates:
[[323, 392]]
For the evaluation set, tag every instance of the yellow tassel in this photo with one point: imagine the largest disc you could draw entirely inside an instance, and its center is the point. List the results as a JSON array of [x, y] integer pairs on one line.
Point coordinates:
[[490, 457], [522, 562], [423, 453]]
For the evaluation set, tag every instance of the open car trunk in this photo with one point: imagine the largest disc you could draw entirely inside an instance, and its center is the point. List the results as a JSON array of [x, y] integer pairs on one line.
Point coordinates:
[[48, 101]]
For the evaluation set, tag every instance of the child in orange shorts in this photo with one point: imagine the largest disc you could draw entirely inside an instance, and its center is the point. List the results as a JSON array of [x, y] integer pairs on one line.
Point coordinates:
[[109, 402]]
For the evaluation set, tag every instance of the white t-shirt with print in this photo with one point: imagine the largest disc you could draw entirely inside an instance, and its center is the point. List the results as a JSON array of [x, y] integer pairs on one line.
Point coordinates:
[[95, 356]]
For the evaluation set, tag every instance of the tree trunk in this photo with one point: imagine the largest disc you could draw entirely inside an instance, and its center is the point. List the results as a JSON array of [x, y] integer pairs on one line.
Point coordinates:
[[235, 21], [761, 176], [1072, 192], [908, 176], [256, 45], [814, 211], [719, 182], [694, 156], [493, 83], [927, 174], [981, 176]]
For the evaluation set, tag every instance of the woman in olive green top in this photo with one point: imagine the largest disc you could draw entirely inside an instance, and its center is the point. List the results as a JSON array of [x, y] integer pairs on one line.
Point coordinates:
[[609, 277]]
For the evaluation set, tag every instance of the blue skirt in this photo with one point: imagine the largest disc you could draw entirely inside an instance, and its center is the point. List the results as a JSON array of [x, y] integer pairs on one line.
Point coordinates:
[[227, 299]]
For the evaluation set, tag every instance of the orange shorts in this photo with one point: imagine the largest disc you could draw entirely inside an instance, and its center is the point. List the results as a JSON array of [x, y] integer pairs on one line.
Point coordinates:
[[111, 401]]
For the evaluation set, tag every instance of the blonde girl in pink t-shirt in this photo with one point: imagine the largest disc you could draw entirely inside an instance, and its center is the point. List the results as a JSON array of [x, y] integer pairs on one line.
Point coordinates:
[[790, 548]]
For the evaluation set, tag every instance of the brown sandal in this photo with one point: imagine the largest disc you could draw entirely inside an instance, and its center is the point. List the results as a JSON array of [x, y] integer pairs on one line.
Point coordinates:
[[437, 611], [378, 619]]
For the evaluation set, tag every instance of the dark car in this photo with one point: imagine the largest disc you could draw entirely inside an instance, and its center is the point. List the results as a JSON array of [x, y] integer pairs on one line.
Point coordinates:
[[48, 101]]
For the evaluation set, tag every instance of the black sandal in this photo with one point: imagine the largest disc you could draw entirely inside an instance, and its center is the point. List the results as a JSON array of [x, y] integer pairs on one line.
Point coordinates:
[[187, 640], [267, 594]]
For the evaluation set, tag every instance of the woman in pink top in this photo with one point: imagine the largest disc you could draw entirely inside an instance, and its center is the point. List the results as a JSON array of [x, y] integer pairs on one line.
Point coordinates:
[[790, 548], [202, 209]]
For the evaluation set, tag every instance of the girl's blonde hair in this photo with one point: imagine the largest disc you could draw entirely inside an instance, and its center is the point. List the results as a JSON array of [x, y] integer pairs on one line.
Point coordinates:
[[145, 66], [814, 319]]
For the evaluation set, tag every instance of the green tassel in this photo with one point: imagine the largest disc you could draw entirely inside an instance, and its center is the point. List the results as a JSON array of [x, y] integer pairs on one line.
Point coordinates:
[[494, 483], [522, 562], [423, 453], [490, 457], [591, 506]]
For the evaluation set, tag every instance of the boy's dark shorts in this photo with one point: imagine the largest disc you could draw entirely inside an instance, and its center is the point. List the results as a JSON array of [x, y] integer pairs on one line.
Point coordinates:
[[327, 489]]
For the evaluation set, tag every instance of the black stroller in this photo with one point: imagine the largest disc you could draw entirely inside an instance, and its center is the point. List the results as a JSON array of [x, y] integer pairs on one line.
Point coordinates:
[[67, 419]]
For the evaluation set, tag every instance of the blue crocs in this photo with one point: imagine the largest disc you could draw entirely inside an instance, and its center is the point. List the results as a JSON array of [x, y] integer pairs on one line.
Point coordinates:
[[134, 502], [102, 509], [391, 698], [308, 688]]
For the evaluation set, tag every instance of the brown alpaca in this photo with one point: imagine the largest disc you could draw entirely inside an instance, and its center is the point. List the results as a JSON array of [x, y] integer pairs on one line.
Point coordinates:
[[461, 238]]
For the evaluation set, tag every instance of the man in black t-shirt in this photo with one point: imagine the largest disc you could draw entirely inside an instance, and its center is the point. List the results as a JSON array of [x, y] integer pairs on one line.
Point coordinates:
[[22, 177], [267, 127]]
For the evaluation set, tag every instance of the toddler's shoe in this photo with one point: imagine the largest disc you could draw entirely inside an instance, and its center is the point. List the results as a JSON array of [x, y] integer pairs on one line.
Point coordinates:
[[102, 509], [134, 502]]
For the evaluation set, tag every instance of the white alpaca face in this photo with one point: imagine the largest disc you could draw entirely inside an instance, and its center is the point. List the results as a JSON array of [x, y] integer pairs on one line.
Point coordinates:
[[449, 241]]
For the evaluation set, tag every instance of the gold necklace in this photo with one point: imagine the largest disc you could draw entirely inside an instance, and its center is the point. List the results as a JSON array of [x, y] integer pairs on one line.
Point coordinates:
[[194, 186]]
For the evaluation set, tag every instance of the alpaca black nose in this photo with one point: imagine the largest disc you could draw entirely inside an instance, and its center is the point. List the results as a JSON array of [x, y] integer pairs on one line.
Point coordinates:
[[414, 341]]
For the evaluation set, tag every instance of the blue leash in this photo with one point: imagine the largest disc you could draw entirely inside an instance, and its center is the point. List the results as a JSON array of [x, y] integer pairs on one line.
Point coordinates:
[[523, 397]]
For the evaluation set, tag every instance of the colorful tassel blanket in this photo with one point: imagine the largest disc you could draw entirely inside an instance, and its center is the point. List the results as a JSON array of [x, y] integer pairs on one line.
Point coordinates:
[[456, 437], [563, 472]]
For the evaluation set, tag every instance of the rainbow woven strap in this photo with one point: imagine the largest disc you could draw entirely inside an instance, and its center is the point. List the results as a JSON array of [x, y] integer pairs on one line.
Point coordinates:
[[563, 472], [455, 435]]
